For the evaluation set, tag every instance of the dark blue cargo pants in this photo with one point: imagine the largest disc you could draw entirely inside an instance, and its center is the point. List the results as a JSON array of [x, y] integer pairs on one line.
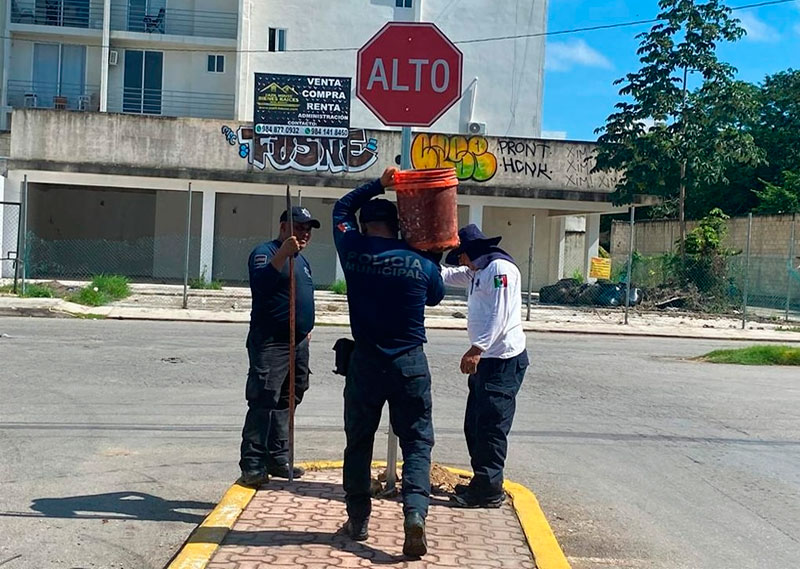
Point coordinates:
[[405, 383], [490, 411], [265, 435]]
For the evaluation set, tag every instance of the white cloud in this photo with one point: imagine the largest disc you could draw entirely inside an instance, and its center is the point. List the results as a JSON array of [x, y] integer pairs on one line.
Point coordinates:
[[757, 30], [554, 134], [563, 56]]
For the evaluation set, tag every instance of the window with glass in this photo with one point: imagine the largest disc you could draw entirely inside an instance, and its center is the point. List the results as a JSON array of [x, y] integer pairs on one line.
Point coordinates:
[[277, 39], [216, 64]]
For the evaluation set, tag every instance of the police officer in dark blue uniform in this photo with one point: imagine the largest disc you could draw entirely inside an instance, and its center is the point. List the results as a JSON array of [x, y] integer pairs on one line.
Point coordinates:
[[265, 436], [388, 286]]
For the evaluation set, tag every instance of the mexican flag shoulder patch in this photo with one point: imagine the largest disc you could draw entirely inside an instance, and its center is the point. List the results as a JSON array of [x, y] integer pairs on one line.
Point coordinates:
[[500, 281]]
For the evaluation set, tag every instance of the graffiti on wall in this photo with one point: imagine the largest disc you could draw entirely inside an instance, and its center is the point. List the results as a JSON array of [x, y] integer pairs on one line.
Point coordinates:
[[525, 157], [306, 154], [578, 174], [470, 156]]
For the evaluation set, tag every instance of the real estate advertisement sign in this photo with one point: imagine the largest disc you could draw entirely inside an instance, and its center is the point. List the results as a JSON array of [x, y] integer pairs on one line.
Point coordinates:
[[301, 105]]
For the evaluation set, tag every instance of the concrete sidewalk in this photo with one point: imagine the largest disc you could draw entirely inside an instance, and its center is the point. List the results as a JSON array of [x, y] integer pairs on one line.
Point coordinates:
[[295, 525], [451, 316], [232, 305]]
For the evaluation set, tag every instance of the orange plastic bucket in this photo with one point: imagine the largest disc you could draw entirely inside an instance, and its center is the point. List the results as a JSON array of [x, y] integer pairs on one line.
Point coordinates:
[[427, 205]]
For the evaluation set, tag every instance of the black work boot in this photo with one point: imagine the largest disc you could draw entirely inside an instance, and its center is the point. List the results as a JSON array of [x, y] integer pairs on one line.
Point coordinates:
[[253, 478], [282, 471], [414, 526], [357, 530], [471, 499]]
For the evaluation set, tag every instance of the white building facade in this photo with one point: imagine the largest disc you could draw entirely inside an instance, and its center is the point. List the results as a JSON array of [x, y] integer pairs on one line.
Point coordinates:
[[116, 183]]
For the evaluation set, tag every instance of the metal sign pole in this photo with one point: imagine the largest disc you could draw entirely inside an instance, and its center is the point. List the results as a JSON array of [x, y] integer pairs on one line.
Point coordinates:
[[530, 267], [23, 229], [391, 450], [747, 271], [292, 338], [188, 246], [789, 268], [630, 267]]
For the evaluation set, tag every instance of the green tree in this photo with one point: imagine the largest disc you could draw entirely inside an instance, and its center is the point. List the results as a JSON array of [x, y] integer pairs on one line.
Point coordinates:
[[699, 128], [774, 130], [774, 200]]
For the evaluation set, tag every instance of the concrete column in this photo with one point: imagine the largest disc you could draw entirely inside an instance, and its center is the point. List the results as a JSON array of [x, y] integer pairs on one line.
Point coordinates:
[[207, 234], [476, 214], [243, 111], [6, 65], [557, 238], [339, 270], [591, 245], [106, 50], [541, 250]]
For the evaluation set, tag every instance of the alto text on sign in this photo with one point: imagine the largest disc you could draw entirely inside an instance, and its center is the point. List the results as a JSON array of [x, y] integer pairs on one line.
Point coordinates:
[[409, 74]]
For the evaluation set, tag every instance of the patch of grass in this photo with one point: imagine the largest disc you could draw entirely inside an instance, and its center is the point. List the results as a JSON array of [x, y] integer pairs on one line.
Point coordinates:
[[89, 316], [34, 290], [756, 356], [6, 288], [788, 328], [115, 287], [90, 296], [339, 287], [201, 284]]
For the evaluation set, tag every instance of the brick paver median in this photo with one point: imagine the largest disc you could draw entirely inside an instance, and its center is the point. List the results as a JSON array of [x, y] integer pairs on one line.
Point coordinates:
[[294, 526]]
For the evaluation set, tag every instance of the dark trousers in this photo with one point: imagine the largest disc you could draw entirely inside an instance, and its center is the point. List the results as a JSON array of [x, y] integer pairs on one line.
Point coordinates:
[[490, 411], [405, 382], [265, 436]]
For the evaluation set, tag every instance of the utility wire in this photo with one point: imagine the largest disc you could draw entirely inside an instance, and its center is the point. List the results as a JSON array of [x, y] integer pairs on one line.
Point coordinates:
[[567, 31]]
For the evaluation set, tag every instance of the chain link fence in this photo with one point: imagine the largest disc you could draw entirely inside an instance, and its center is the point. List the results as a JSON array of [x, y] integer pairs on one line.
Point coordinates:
[[748, 268], [10, 217]]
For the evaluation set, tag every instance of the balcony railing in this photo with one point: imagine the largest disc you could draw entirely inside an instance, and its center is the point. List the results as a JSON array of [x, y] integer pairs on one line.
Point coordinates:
[[61, 13], [174, 21], [171, 103], [41, 95]]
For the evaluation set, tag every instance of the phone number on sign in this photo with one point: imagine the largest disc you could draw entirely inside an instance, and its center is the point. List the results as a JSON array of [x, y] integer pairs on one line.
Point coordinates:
[[284, 130]]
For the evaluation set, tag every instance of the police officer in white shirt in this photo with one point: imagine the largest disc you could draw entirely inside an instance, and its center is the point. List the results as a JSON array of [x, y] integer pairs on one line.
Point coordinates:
[[496, 360]]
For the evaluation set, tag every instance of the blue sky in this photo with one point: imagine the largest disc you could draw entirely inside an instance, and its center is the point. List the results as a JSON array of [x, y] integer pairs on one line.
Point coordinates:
[[580, 69]]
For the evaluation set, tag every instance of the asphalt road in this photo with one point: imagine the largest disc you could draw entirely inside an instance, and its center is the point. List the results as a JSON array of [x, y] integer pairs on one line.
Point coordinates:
[[117, 437]]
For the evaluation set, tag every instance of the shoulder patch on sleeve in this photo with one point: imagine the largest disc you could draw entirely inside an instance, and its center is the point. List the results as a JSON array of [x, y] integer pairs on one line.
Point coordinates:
[[260, 261], [501, 281], [345, 226]]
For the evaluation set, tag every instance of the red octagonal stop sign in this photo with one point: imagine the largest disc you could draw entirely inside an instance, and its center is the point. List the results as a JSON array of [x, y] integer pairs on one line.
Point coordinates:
[[409, 74]]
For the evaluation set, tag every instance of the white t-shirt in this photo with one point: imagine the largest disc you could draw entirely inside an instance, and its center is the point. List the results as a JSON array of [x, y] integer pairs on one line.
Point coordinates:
[[494, 303]]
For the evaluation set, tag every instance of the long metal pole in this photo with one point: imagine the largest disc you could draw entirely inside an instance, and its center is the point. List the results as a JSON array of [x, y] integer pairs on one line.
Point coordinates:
[[747, 271], [630, 268], [391, 447], [530, 268], [18, 260], [292, 336], [789, 268], [24, 231], [188, 245]]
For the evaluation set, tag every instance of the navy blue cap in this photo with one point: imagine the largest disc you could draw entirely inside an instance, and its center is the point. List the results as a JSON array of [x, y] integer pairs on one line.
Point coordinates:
[[378, 210], [301, 215], [471, 239]]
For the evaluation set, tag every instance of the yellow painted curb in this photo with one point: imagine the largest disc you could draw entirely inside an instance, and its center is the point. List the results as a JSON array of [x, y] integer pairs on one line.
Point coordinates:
[[204, 541], [543, 543], [541, 539]]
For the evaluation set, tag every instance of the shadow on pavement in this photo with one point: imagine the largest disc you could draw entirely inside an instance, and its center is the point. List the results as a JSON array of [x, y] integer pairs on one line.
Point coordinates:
[[278, 538], [117, 505]]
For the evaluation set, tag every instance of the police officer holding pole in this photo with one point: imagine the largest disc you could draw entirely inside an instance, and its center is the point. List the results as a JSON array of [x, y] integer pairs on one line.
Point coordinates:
[[495, 361], [388, 286], [266, 435]]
